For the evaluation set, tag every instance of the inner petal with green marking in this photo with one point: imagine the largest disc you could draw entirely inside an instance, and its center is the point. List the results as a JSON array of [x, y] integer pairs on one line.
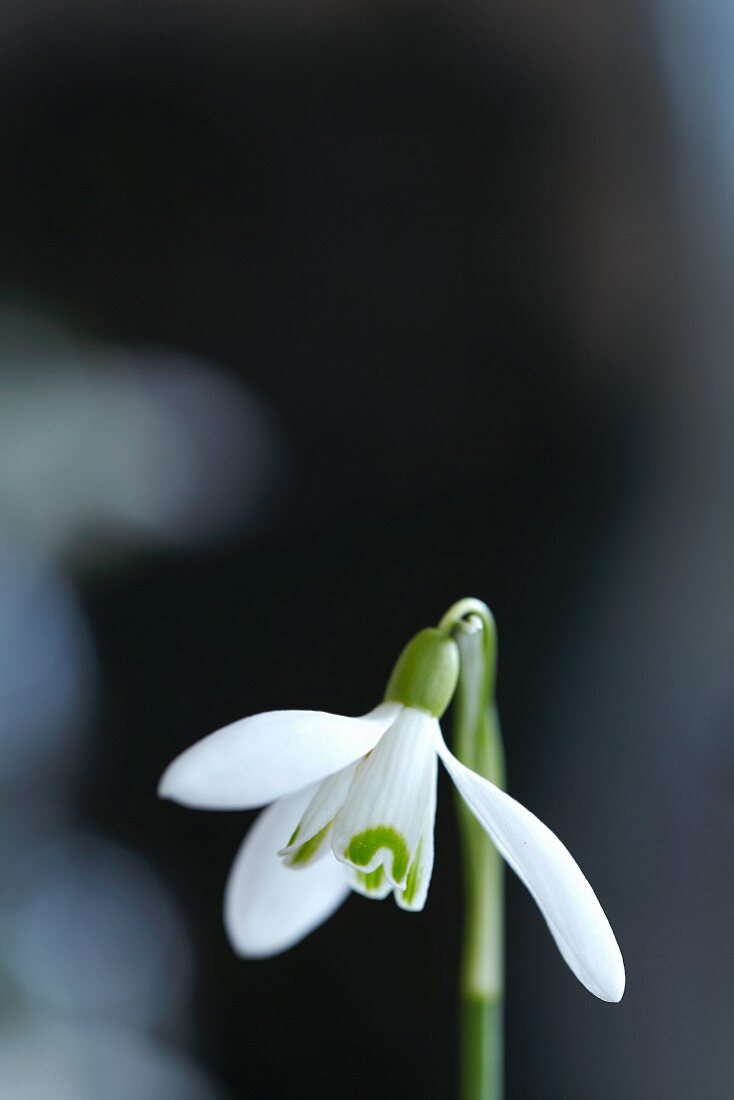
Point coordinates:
[[413, 897], [373, 847], [412, 882], [303, 854], [310, 837], [372, 884], [384, 816]]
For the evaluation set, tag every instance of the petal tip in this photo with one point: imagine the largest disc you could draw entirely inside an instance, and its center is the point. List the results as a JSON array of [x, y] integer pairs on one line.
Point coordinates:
[[174, 783], [165, 787], [609, 985], [249, 951], [617, 986], [187, 782]]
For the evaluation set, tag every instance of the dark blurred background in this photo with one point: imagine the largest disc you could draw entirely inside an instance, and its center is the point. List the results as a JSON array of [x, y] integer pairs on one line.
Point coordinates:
[[315, 318]]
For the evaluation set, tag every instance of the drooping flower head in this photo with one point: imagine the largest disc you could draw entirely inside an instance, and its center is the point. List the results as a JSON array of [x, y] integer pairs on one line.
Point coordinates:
[[353, 803]]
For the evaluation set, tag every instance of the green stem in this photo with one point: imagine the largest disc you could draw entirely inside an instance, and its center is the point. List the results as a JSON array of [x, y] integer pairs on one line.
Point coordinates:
[[478, 744]]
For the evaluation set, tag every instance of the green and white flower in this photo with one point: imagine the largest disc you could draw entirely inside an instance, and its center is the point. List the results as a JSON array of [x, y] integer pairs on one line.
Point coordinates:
[[353, 803]]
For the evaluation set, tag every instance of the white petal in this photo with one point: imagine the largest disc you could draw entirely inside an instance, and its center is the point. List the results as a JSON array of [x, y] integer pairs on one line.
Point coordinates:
[[310, 839], [413, 897], [566, 900], [259, 759], [268, 907], [385, 811]]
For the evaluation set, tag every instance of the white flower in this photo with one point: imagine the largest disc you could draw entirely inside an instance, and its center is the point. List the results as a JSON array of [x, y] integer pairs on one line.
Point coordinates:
[[353, 807]]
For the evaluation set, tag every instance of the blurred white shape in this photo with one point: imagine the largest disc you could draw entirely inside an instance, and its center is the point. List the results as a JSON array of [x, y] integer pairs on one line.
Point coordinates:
[[92, 932], [696, 39], [46, 671], [105, 448], [44, 1060]]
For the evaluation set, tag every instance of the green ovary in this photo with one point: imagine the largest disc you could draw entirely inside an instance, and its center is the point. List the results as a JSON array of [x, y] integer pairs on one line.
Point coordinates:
[[364, 847], [305, 853]]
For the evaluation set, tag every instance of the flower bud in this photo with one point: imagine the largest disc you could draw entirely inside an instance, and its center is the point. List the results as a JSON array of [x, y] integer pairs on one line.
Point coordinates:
[[426, 672]]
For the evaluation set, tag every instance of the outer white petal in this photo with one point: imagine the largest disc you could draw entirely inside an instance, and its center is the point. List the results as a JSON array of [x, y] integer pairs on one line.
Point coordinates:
[[566, 900], [259, 759], [320, 812], [383, 817], [268, 907]]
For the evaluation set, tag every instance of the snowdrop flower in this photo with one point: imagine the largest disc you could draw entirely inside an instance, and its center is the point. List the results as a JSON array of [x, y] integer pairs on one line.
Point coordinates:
[[353, 803]]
